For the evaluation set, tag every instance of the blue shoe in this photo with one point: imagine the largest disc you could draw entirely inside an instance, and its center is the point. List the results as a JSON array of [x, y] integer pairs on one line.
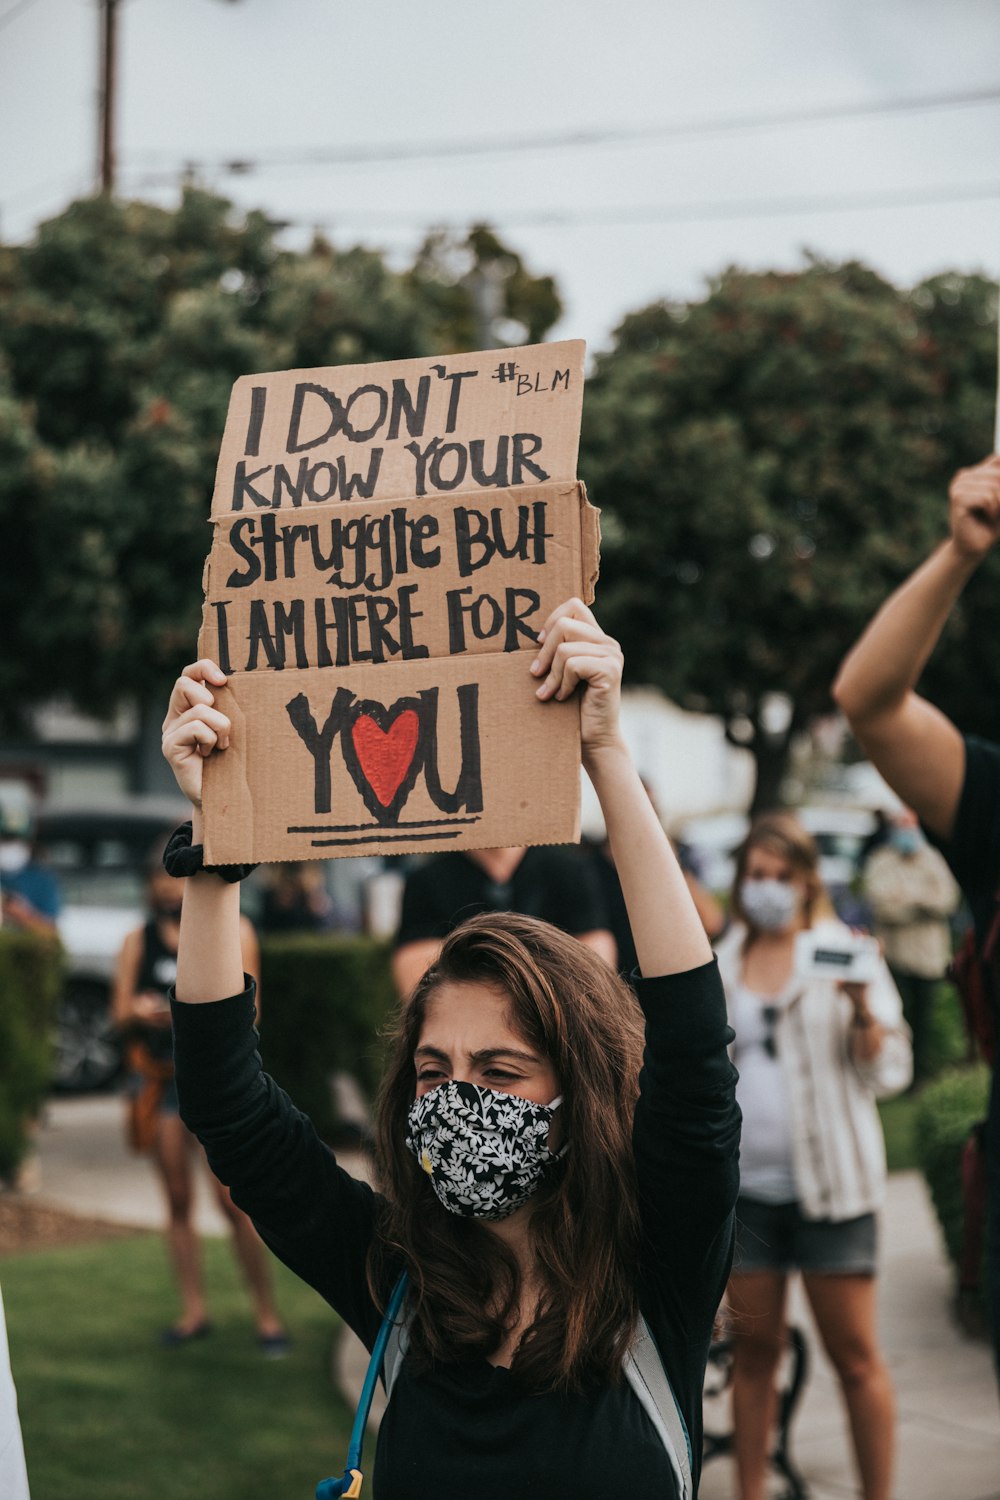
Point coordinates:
[[274, 1345], [173, 1338]]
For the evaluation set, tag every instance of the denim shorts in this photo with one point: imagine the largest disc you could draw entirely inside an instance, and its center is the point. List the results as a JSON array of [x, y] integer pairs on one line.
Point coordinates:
[[777, 1237]]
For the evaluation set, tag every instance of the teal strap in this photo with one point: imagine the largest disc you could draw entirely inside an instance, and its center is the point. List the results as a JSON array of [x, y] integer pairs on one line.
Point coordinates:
[[350, 1483]]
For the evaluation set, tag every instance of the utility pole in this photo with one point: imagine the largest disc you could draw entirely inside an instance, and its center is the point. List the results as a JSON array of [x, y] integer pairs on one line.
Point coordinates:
[[106, 96]]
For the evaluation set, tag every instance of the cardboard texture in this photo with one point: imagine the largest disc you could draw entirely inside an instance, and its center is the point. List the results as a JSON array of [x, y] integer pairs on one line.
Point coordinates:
[[387, 540]]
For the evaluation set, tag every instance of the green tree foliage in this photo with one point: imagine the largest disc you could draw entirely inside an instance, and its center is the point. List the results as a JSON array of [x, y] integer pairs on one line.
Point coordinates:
[[771, 461], [122, 329]]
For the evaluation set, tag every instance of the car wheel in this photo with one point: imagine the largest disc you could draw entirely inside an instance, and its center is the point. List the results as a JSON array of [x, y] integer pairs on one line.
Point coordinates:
[[87, 1049]]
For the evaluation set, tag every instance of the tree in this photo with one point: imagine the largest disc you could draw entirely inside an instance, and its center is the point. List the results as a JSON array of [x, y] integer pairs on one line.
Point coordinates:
[[124, 326], [771, 461]]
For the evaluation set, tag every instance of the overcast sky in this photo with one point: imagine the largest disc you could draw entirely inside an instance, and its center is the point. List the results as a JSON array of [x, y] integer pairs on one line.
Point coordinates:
[[650, 212]]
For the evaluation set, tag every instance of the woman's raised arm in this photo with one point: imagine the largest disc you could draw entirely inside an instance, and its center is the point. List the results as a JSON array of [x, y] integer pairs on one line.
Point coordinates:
[[209, 959], [668, 934]]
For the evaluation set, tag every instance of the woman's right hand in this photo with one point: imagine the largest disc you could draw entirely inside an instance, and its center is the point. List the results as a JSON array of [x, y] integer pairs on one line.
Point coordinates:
[[974, 498], [194, 727]]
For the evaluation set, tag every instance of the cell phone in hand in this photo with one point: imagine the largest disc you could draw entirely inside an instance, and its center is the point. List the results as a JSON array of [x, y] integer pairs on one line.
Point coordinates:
[[849, 956]]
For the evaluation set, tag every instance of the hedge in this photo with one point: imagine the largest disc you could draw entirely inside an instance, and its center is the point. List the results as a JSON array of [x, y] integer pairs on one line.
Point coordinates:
[[30, 985], [324, 1000], [946, 1112]]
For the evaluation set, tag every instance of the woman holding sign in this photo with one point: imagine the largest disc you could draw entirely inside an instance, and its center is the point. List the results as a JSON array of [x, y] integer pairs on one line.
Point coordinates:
[[543, 1194]]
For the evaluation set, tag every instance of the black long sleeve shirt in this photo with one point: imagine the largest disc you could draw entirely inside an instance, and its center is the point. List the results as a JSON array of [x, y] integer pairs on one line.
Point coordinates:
[[468, 1429]]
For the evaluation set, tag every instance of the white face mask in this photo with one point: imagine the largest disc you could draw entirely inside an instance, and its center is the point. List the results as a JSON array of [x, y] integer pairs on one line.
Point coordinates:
[[771, 905], [14, 855]]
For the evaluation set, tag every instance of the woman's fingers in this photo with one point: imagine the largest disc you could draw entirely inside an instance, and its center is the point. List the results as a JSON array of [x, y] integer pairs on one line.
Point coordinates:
[[203, 717], [571, 621], [192, 687], [581, 660], [569, 609]]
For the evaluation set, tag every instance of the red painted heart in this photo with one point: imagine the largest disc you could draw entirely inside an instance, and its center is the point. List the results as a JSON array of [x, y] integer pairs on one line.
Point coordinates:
[[385, 755]]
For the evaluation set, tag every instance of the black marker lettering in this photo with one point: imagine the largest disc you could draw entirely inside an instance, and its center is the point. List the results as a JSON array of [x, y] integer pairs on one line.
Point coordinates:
[[319, 742], [258, 401], [334, 413], [415, 415], [521, 457]]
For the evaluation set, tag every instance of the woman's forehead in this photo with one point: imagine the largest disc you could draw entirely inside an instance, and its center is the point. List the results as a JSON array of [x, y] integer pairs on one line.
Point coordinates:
[[470, 1015]]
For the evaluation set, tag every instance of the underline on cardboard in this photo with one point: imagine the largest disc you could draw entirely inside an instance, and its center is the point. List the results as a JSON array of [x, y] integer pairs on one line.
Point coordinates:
[[372, 827], [384, 838]]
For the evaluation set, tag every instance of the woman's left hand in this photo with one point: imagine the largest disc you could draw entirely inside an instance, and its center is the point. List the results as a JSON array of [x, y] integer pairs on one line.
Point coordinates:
[[574, 650], [857, 994]]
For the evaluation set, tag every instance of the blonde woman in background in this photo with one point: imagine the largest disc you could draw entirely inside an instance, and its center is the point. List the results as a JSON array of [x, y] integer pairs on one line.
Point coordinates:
[[813, 1055]]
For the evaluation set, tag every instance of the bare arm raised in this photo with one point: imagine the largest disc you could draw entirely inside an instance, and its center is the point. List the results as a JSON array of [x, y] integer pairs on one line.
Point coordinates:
[[210, 958], [668, 934], [916, 747]]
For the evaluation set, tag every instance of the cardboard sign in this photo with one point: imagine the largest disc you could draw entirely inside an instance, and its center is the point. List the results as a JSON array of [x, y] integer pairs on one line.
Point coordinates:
[[387, 541]]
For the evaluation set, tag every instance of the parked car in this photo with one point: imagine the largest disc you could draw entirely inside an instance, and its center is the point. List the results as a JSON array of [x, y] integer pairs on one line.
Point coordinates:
[[99, 857]]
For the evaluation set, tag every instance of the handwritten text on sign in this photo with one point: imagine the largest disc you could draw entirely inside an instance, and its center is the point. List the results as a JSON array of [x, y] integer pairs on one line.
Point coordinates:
[[412, 516]]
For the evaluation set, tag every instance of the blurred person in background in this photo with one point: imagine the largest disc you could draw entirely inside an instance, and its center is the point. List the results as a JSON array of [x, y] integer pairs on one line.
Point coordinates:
[[295, 899], [555, 883], [29, 892], [147, 967], [812, 1055], [30, 901], [951, 780], [912, 894]]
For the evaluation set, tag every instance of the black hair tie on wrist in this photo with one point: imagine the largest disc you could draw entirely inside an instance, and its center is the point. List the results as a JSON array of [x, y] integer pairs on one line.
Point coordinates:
[[182, 858]]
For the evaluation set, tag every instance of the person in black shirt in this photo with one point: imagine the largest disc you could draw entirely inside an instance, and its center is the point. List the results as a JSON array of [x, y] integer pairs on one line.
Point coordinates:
[[538, 1188], [146, 969], [951, 782], [555, 884]]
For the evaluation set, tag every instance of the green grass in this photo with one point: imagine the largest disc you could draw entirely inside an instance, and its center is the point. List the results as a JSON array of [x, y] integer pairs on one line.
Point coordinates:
[[106, 1412], [897, 1124]]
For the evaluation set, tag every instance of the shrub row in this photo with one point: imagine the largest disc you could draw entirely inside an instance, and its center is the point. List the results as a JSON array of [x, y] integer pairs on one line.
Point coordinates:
[[30, 984], [324, 1002], [946, 1113]]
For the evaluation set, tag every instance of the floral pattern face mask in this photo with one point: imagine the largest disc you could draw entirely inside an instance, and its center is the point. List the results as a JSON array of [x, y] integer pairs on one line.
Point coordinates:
[[485, 1152]]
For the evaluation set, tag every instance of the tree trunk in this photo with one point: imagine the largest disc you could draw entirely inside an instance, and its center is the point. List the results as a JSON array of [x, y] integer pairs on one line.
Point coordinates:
[[770, 753]]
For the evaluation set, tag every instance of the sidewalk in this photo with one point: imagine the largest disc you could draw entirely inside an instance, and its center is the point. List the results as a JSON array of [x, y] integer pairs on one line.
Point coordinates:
[[949, 1416]]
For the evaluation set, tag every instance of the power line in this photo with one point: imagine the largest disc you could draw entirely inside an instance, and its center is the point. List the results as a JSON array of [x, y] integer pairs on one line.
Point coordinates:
[[402, 151], [683, 213], [14, 11]]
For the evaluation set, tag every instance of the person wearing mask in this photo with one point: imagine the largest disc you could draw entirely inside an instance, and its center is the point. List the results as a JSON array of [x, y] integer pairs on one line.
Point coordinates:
[[544, 1179], [812, 1055], [28, 891], [146, 969], [912, 894], [951, 780]]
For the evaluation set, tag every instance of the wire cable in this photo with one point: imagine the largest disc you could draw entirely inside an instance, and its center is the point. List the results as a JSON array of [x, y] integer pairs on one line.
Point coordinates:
[[404, 151], [682, 213]]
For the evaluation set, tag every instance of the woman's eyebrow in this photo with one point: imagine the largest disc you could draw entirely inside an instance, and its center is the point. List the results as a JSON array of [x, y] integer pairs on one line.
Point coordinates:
[[425, 1051], [491, 1054]]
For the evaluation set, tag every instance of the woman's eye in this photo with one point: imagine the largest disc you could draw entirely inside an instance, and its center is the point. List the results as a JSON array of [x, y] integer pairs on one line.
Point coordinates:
[[430, 1075], [500, 1075]]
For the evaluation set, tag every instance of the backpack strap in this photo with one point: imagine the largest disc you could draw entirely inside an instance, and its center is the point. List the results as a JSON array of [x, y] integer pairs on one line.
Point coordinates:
[[395, 1350], [645, 1373]]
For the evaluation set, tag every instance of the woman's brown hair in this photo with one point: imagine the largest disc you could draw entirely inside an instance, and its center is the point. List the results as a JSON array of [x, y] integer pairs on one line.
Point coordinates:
[[781, 833], [584, 1226]]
